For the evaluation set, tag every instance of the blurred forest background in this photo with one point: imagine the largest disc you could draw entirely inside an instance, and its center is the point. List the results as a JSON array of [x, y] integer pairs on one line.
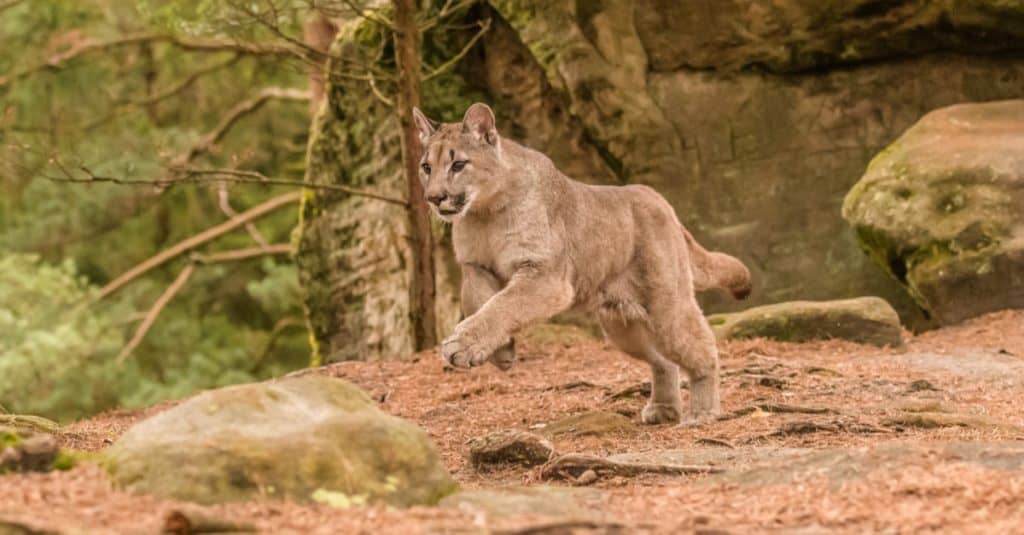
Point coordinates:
[[185, 128], [137, 91]]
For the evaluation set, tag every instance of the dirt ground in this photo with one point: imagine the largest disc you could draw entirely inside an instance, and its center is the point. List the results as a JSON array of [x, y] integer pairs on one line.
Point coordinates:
[[924, 438]]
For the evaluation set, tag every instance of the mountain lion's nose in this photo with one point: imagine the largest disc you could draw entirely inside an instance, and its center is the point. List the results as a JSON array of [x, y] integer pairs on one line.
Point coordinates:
[[437, 199]]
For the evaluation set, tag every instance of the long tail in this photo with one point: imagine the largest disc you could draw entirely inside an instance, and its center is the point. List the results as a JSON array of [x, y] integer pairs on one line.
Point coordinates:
[[717, 270]]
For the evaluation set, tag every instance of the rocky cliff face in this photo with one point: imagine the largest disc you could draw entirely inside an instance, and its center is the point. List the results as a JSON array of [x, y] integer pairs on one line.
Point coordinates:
[[753, 118]]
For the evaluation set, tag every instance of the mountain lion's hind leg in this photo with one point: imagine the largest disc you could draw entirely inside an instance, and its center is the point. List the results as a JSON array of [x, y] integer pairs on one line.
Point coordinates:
[[478, 285], [634, 338], [683, 336]]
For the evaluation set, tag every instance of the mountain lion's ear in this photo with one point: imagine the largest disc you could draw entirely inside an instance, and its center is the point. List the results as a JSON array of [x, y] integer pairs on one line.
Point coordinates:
[[423, 125], [479, 121]]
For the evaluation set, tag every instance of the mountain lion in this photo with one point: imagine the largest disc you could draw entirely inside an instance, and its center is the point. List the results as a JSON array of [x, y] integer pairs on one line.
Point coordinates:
[[533, 243]]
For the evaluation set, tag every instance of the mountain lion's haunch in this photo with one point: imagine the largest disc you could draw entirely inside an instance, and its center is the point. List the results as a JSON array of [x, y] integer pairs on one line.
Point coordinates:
[[533, 243]]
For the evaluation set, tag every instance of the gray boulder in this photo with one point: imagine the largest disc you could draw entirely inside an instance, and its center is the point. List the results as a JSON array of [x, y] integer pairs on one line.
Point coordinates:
[[298, 439], [942, 210], [866, 320]]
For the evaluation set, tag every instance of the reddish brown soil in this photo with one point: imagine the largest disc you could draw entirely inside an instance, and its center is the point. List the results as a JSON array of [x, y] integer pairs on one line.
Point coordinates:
[[563, 374]]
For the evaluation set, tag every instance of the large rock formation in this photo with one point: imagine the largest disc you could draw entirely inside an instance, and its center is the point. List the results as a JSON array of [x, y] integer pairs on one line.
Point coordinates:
[[753, 118], [301, 439], [942, 209]]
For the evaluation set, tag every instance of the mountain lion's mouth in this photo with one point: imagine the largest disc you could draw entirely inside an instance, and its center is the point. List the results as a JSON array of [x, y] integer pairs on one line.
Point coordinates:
[[449, 211]]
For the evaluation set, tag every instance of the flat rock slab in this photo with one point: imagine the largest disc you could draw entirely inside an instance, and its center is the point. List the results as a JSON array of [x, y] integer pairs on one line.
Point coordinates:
[[298, 438], [538, 500], [978, 365], [866, 320], [588, 423], [936, 420], [846, 464]]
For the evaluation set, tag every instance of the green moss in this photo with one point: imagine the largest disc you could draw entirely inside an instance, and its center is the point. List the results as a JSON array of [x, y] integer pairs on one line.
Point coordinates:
[[9, 438], [66, 460]]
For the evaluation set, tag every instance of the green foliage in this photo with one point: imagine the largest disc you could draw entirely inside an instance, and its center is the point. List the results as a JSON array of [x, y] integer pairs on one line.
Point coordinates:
[[52, 348], [231, 323], [58, 349]]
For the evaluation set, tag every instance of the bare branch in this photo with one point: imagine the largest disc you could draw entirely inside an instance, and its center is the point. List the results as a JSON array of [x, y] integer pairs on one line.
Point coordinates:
[[154, 312], [186, 83], [190, 243], [224, 201], [4, 6], [372, 17], [446, 10], [195, 175], [242, 254], [58, 60], [441, 69], [232, 116], [179, 282], [380, 96]]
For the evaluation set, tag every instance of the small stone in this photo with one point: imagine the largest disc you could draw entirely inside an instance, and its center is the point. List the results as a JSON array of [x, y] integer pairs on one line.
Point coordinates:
[[921, 385], [587, 424], [587, 478], [510, 447], [29, 453]]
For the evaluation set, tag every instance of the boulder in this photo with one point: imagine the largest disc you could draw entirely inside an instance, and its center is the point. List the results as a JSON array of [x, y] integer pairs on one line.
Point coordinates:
[[940, 210], [866, 320], [290, 439]]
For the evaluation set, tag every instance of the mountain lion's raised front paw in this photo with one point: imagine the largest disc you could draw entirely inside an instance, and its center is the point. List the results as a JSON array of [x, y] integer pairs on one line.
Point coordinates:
[[459, 351]]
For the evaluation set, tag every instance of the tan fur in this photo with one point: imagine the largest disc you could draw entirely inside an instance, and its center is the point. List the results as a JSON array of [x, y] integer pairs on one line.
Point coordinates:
[[534, 243]]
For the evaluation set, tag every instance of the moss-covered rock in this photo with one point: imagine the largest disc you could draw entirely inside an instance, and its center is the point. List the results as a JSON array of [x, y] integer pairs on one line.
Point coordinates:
[[940, 210], [30, 449], [299, 439], [867, 320]]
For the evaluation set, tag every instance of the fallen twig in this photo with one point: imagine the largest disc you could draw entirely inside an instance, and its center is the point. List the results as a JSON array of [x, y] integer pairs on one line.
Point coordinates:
[[572, 465], [568, 526], [776, 408], [711, 441], [193, 520], [571, 386]]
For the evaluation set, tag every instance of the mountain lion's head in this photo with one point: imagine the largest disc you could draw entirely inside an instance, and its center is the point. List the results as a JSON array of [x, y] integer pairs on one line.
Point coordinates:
[[460, 167]]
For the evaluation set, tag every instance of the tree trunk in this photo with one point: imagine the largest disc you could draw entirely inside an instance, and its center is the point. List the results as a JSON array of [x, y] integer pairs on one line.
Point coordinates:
[[422, 287]]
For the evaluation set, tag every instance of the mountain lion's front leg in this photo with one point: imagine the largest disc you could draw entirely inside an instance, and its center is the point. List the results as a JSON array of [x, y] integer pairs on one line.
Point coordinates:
[[479, 285], [531, 295]]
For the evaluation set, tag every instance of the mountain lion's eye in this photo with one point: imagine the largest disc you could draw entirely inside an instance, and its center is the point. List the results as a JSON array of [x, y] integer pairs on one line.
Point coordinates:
[[457, 166], [426, 168]]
